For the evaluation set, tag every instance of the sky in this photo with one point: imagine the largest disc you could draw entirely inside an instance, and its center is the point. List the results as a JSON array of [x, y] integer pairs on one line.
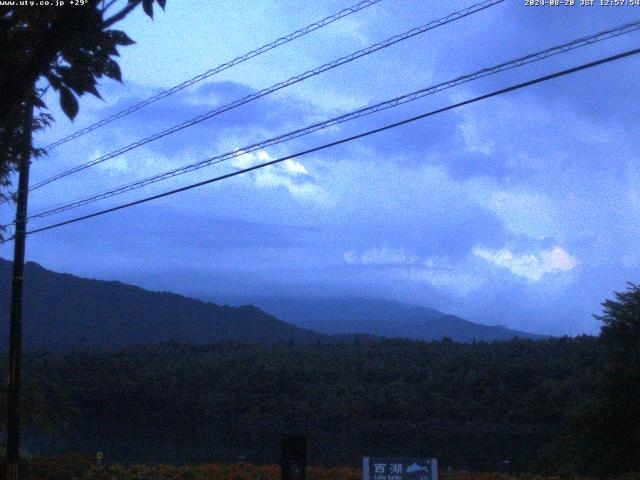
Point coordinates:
[[521, 210]]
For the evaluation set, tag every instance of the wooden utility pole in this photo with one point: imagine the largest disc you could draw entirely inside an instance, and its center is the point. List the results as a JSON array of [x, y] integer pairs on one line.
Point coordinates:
[[15, 336]]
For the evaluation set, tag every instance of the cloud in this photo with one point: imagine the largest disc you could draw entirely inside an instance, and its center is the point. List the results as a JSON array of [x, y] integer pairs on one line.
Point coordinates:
[[294, 167], [290, 174], [559, 260], [440, 272], [380, 256], [456, 282], [526, 213], [437, 271], [474, 139], [529, 265]]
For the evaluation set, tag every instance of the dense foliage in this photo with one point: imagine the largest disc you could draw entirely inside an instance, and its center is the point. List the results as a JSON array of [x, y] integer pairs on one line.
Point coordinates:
[[470, 405], [68, 49], [611, 426]]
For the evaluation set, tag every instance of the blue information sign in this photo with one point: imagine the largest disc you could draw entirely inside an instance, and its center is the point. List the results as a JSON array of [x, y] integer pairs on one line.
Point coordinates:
[[382, 468]]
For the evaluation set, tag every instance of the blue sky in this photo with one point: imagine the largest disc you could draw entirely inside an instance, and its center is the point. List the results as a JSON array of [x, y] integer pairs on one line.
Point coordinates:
[[521, 210]]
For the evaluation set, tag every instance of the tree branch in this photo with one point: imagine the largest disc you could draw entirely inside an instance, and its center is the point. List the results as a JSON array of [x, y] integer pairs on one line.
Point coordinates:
[[121, 14], [107, 6]]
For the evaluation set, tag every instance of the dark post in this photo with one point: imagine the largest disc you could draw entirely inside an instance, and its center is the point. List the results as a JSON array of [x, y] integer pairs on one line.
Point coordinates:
[[15, 335], [293, 463]]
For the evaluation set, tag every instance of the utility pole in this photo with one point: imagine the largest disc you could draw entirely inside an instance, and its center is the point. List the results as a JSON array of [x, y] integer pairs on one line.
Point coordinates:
[[15, 336]]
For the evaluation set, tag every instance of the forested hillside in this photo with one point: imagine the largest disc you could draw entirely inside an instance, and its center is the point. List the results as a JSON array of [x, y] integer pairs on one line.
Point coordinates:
[[471, 405], [62, 311]]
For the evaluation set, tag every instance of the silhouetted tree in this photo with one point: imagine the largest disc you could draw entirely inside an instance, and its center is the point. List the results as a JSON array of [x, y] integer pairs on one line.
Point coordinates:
[[66, 48], [618, 420]]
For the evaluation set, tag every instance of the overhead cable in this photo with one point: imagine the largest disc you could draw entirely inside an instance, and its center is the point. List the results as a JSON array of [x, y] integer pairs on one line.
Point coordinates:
[[495, 93], [410, 97], [278, 86], [198, 78]]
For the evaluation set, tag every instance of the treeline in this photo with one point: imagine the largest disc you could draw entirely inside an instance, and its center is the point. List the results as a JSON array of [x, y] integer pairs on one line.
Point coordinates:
[[485, 406]]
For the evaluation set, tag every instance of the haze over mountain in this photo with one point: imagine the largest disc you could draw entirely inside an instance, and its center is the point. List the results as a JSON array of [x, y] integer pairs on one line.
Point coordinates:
[[378, 317], [63, 311]]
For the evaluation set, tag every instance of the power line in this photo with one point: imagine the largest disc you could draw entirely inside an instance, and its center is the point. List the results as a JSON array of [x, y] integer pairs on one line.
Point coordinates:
[[518, 86], [278, 86], [527, 59], [198, 78]]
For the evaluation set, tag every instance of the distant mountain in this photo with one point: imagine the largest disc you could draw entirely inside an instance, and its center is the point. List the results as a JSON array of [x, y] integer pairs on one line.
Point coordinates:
[[63, 311], [384, 318]]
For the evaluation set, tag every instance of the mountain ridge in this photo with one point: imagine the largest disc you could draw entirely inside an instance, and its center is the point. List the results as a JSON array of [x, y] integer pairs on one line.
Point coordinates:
[[379, 317], [63, 311]]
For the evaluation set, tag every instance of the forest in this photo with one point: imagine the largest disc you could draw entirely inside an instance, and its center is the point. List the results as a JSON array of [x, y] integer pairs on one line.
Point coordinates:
[[473, 406]]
